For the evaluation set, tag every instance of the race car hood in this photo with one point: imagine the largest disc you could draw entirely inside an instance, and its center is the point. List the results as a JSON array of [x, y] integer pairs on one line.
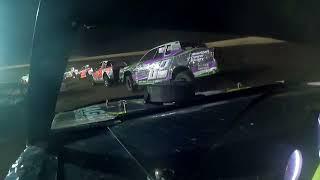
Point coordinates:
[[198, 142], [107, 112], [171, 140], [95, 114]]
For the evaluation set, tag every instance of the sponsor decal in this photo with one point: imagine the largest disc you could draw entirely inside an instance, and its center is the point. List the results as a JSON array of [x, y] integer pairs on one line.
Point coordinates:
[[92, 113], [199, 56], [203, 66], [88, 115], [158, 70]]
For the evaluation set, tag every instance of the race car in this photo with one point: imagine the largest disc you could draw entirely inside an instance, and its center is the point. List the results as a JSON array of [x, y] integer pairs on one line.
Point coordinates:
[[24, 80], [85, 72], [71, 73], [172, 61], [24, 83], [107, 72]]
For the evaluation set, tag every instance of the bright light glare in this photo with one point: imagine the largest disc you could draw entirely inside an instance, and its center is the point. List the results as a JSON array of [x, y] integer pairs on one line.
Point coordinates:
[[293, 169], [298, 165], [319, 134]]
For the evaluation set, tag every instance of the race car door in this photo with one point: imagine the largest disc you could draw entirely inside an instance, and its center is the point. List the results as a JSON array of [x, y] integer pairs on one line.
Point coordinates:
[[142, 69], [154, 65]]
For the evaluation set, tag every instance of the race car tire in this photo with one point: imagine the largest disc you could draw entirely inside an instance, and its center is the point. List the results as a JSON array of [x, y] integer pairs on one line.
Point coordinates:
[[179, 92], [129, 83], [184, 76], [106, 81], [92, 82], [87, 75]]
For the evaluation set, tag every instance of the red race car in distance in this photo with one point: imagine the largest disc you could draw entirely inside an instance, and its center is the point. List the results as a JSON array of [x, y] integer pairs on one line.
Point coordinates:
[[107, 73], [85, 72]]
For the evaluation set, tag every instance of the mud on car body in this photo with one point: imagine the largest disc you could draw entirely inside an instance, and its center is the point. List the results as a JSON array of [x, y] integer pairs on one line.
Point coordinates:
[[107, 73], [171, 61]]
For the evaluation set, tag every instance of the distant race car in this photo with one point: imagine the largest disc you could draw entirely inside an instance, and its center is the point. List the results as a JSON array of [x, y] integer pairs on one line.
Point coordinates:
[[71, 73], [172, 61], [24, 80], [85, 72], [107, 73]]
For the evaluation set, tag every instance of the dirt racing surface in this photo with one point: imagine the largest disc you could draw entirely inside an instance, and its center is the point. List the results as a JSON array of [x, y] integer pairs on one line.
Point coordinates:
[[248, 64], [78, 93]]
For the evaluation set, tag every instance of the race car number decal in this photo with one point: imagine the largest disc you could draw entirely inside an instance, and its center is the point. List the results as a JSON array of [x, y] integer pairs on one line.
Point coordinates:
[[88, 115], [153, 74], [158, 70]]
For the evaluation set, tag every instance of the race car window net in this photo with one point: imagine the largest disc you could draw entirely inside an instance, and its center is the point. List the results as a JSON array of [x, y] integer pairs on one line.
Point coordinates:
[[149, 55], [159, 52], [168, 49]]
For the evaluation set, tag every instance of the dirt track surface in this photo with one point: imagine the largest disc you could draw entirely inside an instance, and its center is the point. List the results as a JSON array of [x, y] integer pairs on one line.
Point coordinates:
[[79, 93], [248, 64]]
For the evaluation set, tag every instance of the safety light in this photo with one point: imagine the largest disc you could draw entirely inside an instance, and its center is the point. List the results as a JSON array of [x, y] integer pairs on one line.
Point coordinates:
[[294, 166]]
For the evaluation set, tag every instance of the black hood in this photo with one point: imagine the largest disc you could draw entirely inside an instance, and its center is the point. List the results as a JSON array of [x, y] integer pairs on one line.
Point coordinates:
[[178, 141], [218, 139]]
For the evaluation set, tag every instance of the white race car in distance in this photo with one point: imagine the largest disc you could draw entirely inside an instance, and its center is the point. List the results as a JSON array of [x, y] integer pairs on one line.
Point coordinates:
[[24, 79], [71, 73]]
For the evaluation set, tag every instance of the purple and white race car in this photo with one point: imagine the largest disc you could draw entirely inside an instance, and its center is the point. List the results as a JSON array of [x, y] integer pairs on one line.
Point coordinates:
[[171, 61]]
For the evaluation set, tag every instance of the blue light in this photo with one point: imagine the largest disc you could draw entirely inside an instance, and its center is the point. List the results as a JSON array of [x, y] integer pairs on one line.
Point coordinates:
[[294, 165]]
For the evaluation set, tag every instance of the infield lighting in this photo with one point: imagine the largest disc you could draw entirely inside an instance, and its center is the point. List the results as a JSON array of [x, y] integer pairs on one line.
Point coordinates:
[[294, 166]]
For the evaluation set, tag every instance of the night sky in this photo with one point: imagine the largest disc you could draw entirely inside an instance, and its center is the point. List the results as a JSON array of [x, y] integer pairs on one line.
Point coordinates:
[[285, 19]]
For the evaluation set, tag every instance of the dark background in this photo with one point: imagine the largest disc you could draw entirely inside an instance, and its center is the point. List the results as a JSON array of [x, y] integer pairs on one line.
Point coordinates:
[[291, 20]]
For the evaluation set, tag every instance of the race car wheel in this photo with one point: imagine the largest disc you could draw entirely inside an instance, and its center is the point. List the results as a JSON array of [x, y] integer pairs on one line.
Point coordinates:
[[184, 76], [129, 83], [87, 75], [179, 92], [107, 81], [93, 83]]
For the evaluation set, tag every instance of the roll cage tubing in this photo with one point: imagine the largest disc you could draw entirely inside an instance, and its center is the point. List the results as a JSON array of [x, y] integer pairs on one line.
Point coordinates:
[[54, 32]]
